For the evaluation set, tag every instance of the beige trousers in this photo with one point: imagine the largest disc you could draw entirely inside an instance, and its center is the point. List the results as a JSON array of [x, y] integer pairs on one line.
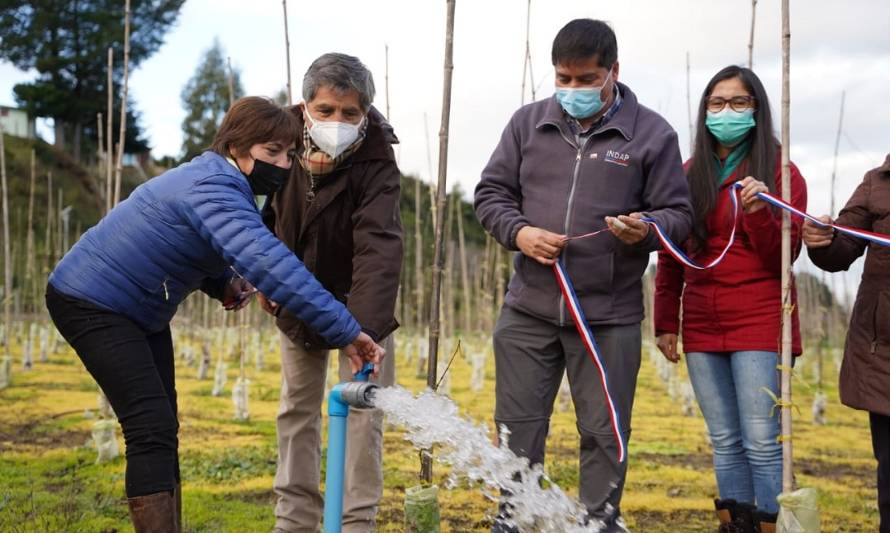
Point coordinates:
[[300, 503]]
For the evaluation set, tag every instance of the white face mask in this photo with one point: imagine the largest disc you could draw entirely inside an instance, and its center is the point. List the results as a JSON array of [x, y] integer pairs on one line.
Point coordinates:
[[332, 137]]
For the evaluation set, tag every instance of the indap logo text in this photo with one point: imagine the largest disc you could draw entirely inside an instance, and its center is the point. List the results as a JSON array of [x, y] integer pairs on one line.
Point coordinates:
[[613, 156]]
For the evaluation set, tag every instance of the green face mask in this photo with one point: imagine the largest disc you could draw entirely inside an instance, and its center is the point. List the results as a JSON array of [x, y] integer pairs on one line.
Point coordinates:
[[729, 127]]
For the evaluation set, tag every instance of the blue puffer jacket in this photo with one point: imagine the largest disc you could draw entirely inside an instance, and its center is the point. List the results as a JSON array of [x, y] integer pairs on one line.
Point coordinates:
[[182, 231]]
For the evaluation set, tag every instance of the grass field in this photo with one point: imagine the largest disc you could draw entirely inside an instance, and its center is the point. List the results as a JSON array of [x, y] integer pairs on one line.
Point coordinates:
[[49, 480]]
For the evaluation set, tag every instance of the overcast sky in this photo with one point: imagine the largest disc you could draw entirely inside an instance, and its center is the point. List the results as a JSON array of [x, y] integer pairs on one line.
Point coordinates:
[[835, 47]]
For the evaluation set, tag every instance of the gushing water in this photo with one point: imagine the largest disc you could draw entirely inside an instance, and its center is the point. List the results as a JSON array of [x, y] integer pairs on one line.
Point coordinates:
[[537, 504]]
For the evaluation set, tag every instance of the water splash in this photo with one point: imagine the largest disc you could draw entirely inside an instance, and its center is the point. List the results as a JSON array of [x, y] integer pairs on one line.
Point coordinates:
[[537, 504]]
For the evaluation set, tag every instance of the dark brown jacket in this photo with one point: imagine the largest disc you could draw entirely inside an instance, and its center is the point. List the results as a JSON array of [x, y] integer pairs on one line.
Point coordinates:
[[350, 235], [865, 372]]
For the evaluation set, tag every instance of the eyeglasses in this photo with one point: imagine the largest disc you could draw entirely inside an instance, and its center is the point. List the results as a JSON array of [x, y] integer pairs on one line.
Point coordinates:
[[737, 103]]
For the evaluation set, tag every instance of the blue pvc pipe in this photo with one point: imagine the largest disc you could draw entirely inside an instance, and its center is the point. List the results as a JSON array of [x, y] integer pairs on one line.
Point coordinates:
[[338, 411]]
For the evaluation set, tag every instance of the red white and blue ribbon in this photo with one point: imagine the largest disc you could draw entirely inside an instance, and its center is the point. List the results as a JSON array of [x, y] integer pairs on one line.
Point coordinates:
[[870, 236], [678, 252], [568, 291]]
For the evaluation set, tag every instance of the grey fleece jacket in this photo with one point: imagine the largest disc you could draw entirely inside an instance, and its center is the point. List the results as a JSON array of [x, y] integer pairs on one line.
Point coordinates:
[[539, 175]]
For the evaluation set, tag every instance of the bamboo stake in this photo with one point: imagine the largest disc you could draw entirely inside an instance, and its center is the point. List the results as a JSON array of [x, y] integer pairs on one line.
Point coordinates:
[[831, 211], [447, 299], [429, 166], [787, 307], [29, 252], [426, 471], [7, 255], [100, 157], [290, 100], [48, 243], [109, 150], [418, 255], [689, 108], [230, 79], [386, 78], [123, 127], [464, 266], [526, 64], [751, 38], [58, 214], [483, 305], [499, 268]]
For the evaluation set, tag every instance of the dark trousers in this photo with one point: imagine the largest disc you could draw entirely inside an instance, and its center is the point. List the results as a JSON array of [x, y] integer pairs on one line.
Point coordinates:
[[530, 357], [880, 441], [135, 371]]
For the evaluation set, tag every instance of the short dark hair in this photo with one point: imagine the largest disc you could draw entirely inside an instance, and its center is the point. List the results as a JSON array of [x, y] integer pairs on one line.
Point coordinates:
[[254, 120], [581, 39]]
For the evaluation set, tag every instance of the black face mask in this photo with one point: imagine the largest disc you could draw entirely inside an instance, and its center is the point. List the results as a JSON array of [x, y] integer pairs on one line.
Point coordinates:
[[266, 178]]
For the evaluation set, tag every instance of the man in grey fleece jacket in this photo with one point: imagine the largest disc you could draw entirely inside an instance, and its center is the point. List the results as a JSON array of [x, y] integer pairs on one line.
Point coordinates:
[[589, 158]]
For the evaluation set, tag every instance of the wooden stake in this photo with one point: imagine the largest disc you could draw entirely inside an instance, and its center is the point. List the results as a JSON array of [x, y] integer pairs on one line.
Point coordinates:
[[426, 471], [787, 305], [464, 266], [689, 108], [48, 243], [123, 128], [418, 255], [100, 156], [429, 165], [527, 60], [29, 252], [109, 150], [290, 100], [386, 78], [751, 38], [7, 254]]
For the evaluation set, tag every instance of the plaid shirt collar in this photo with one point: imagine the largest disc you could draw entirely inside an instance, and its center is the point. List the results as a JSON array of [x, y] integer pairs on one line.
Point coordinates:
[[575, 124]]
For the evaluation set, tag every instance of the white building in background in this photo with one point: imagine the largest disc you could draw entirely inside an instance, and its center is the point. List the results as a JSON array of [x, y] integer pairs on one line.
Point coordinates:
[[17, 122]]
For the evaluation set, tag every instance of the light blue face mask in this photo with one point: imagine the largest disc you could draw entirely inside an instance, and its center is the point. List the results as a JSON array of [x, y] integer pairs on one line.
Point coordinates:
[[582, 102], [728, 126]]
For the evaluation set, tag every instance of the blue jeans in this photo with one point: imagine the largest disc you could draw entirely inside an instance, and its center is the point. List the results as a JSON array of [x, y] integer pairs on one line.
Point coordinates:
[[742, 423]]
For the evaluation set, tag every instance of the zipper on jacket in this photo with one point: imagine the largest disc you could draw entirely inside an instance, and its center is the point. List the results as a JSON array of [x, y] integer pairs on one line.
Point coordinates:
[[565, 260]]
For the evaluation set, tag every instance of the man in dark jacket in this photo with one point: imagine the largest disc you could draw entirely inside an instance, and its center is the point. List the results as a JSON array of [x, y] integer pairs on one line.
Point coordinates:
[[339, 213], [587, 159], [865, 371]]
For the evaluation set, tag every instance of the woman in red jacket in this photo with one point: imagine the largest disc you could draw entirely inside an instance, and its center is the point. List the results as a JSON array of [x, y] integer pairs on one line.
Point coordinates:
[[731, 313]]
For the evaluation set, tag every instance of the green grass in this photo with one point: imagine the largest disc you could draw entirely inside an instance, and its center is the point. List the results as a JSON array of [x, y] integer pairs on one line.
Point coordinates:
[[49, 480]]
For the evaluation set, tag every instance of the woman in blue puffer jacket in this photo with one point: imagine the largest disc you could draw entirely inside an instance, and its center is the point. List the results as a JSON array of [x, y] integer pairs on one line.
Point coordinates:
[[196, 226]]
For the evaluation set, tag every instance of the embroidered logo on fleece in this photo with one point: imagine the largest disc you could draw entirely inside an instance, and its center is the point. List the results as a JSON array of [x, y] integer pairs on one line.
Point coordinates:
[[617, 158]]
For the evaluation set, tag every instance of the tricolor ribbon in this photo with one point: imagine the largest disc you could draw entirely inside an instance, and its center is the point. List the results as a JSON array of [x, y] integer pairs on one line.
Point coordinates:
[[568, 291], [870, 236], [574, 306], [678, 254]]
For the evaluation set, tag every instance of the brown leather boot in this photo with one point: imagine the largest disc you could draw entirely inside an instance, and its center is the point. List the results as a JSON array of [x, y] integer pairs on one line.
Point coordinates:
[[154, 513]]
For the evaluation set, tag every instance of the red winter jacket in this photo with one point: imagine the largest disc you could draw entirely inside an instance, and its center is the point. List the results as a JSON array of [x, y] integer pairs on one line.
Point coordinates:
[[736, 305]]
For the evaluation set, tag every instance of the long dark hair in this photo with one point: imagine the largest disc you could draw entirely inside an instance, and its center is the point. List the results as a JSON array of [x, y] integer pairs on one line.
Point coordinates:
[[761, 159]]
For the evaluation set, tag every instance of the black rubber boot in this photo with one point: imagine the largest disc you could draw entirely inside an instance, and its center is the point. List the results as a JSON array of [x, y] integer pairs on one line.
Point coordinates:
[[743, 518], [724, 509], [765, 522]]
